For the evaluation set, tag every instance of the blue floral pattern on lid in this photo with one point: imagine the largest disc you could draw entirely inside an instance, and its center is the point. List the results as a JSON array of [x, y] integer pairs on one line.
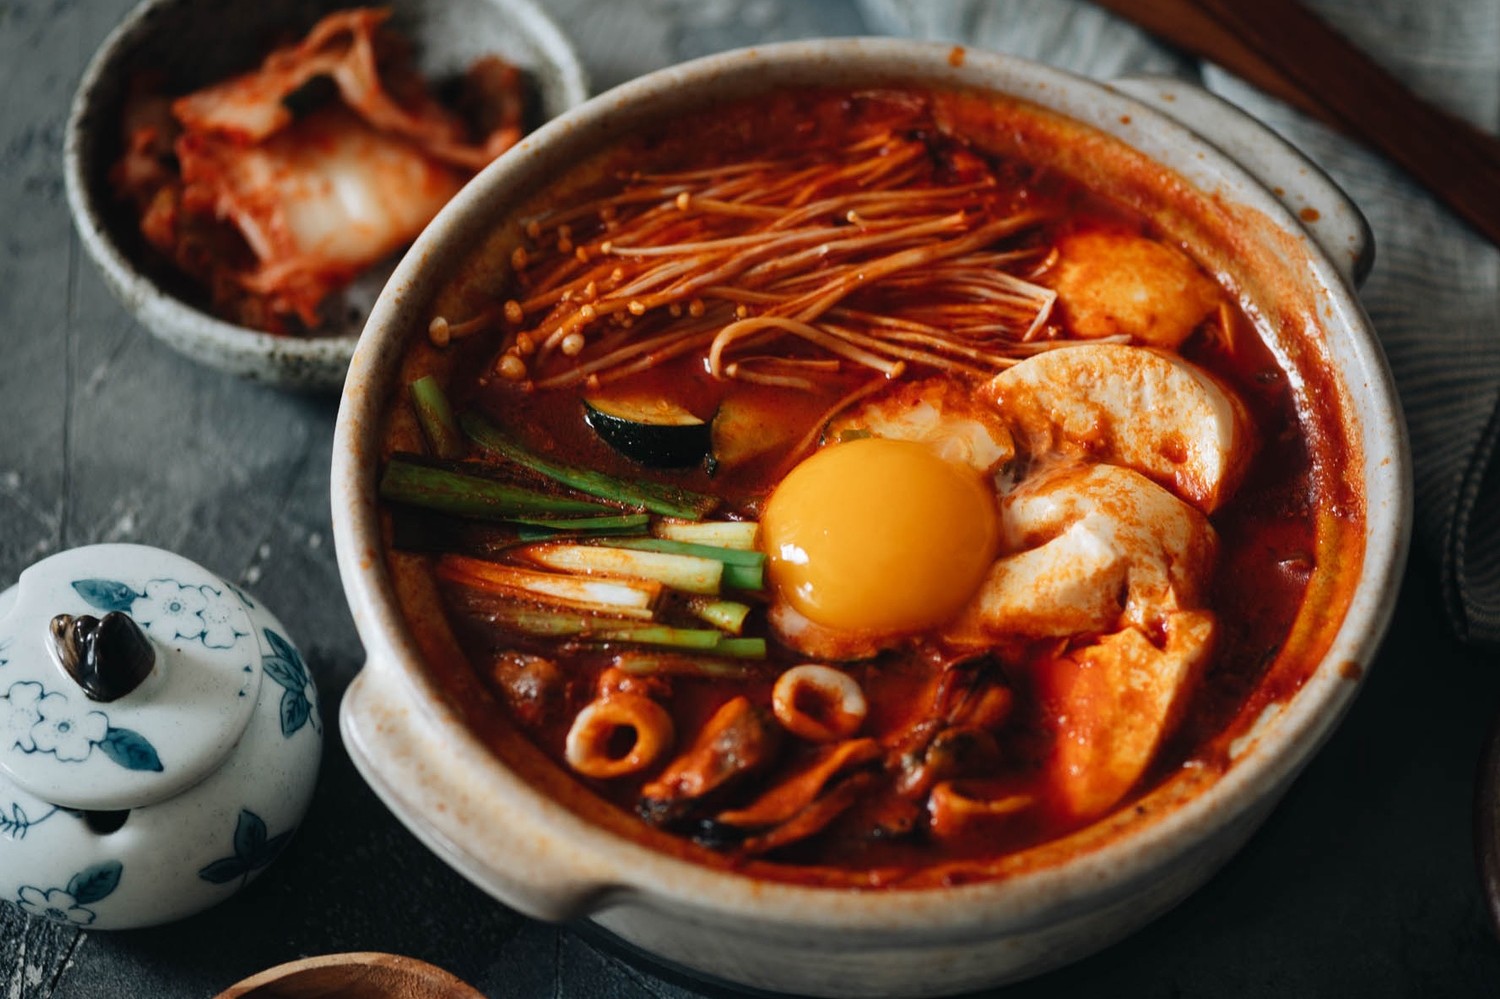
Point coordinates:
[[176, 793], [71, 904], [157, 739], [299, 697], [43, 722], [253, 849], [170, 609], [16, 822]]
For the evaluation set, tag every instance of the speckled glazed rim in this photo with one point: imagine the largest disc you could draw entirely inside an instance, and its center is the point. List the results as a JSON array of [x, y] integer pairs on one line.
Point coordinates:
[[291, 362], [592, 867]]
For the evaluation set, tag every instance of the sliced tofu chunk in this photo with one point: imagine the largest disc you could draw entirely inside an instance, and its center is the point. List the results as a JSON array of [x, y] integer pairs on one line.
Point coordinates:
[[1110, 283], [958, 426], [1148, 409], [1071, 584], [1095, 546], [1115, 702]]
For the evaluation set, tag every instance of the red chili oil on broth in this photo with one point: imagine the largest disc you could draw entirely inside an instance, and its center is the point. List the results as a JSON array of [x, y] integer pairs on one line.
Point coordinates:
[[961, 765]]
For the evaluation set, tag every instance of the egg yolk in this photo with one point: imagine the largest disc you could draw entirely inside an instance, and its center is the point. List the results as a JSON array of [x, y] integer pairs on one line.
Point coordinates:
[[879, 535]]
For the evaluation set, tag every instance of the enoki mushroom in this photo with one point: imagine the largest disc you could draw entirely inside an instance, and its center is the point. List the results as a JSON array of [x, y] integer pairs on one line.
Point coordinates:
[[864, 254]]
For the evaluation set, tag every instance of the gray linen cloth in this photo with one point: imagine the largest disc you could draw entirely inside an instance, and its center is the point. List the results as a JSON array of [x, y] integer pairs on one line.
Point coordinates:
[[1434, 295]]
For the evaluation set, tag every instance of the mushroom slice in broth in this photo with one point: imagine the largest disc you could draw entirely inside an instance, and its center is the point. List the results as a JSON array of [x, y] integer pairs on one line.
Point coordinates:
[[804, 803], [737, 740]]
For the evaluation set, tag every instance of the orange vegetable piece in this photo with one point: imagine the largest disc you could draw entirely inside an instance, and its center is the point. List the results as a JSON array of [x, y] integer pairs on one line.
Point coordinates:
[[1115, 702]]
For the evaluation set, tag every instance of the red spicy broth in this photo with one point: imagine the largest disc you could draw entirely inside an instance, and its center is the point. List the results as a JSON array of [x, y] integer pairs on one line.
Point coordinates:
[[877, 821]]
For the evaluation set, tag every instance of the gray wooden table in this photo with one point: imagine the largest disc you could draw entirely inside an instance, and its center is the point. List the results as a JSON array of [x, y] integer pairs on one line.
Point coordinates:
[[1361, 884]]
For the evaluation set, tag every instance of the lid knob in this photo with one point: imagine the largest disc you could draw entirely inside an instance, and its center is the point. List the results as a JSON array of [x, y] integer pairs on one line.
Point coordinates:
[[108, 657], [177, 649]]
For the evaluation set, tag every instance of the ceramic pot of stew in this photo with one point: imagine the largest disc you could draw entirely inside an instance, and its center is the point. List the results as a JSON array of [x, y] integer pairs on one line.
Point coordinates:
[[904, 740]]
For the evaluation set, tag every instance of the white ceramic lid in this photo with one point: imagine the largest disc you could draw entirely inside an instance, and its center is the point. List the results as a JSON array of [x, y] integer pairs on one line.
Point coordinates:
[[157, 740]]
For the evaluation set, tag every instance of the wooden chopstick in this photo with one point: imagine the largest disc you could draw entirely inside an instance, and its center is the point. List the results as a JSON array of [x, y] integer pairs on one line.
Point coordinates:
[[1283, 48]]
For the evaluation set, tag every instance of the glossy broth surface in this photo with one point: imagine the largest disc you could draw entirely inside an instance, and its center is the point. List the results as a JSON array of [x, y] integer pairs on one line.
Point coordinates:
[[889, 825]]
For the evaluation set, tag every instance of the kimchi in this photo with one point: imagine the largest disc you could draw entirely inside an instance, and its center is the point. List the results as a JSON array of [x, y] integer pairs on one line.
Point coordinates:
[[274, 189]]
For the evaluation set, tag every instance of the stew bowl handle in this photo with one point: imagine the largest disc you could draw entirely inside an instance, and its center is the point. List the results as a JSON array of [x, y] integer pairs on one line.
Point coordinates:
[[1321, 207], [439, 793]]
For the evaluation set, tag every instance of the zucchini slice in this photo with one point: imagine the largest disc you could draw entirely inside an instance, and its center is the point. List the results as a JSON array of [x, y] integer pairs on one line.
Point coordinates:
[[658, 433], [747, 426]]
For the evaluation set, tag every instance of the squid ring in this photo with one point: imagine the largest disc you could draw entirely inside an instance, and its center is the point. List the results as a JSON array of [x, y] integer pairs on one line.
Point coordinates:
[[618, 735], [954, 808], [819, 703]]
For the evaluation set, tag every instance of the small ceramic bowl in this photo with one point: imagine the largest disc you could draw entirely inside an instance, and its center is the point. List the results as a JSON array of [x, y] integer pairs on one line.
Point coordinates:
[[1250, 207], [145, 778], [195, 44]]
